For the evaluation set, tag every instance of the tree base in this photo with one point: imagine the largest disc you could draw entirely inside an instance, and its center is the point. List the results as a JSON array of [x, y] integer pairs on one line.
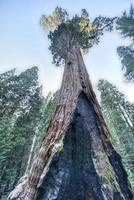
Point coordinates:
[[78, 171]]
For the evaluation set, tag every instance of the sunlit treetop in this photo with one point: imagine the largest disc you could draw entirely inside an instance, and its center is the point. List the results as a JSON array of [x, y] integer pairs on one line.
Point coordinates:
[[64, 32]]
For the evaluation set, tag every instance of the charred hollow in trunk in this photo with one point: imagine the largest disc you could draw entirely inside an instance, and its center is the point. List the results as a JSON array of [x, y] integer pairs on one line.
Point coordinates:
[[76, 159], [72, 174]]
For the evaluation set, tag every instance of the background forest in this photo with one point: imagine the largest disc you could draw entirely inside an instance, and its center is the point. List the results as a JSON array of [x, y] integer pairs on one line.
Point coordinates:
[[25, 113]]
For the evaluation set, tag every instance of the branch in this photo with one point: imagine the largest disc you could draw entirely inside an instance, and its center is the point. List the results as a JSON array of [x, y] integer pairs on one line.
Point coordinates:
[[97, 29], [107, 24]]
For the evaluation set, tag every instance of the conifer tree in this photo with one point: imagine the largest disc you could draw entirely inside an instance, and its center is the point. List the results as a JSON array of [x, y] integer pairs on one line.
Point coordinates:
[[119, 115], [125, 25], [20, 103]]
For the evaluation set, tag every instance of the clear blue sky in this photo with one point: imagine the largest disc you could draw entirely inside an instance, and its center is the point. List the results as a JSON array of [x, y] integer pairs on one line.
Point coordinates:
[[23, 43]]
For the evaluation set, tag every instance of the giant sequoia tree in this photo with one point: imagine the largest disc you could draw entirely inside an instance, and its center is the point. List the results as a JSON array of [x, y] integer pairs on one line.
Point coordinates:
[[76, 160]]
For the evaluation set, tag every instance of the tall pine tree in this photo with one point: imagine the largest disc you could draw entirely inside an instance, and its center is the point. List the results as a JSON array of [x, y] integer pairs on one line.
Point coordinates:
[[125, 25], [119, 115], [20, 104]]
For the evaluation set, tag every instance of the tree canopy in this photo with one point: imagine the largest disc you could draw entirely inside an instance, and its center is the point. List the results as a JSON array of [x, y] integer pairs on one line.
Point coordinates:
[[64, 32]]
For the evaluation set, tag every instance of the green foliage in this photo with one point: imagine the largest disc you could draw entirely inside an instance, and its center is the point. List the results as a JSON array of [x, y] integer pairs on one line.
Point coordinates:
[[126, 55], [111, 177], [53, 21], [20, 104], [47, 111], [77, 30], [60, 148], [119, 116], [125, 24]]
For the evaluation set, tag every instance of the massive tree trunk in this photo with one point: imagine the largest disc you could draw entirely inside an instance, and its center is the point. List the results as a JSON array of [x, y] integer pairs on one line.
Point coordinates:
[[76, 160]]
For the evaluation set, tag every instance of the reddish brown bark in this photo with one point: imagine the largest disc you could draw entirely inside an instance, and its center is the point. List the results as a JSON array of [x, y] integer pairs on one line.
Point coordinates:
[[75, 80]]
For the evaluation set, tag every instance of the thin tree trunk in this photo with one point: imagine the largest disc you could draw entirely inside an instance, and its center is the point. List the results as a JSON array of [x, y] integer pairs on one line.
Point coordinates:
[[31, 153], [126, 117], [98, 157]]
